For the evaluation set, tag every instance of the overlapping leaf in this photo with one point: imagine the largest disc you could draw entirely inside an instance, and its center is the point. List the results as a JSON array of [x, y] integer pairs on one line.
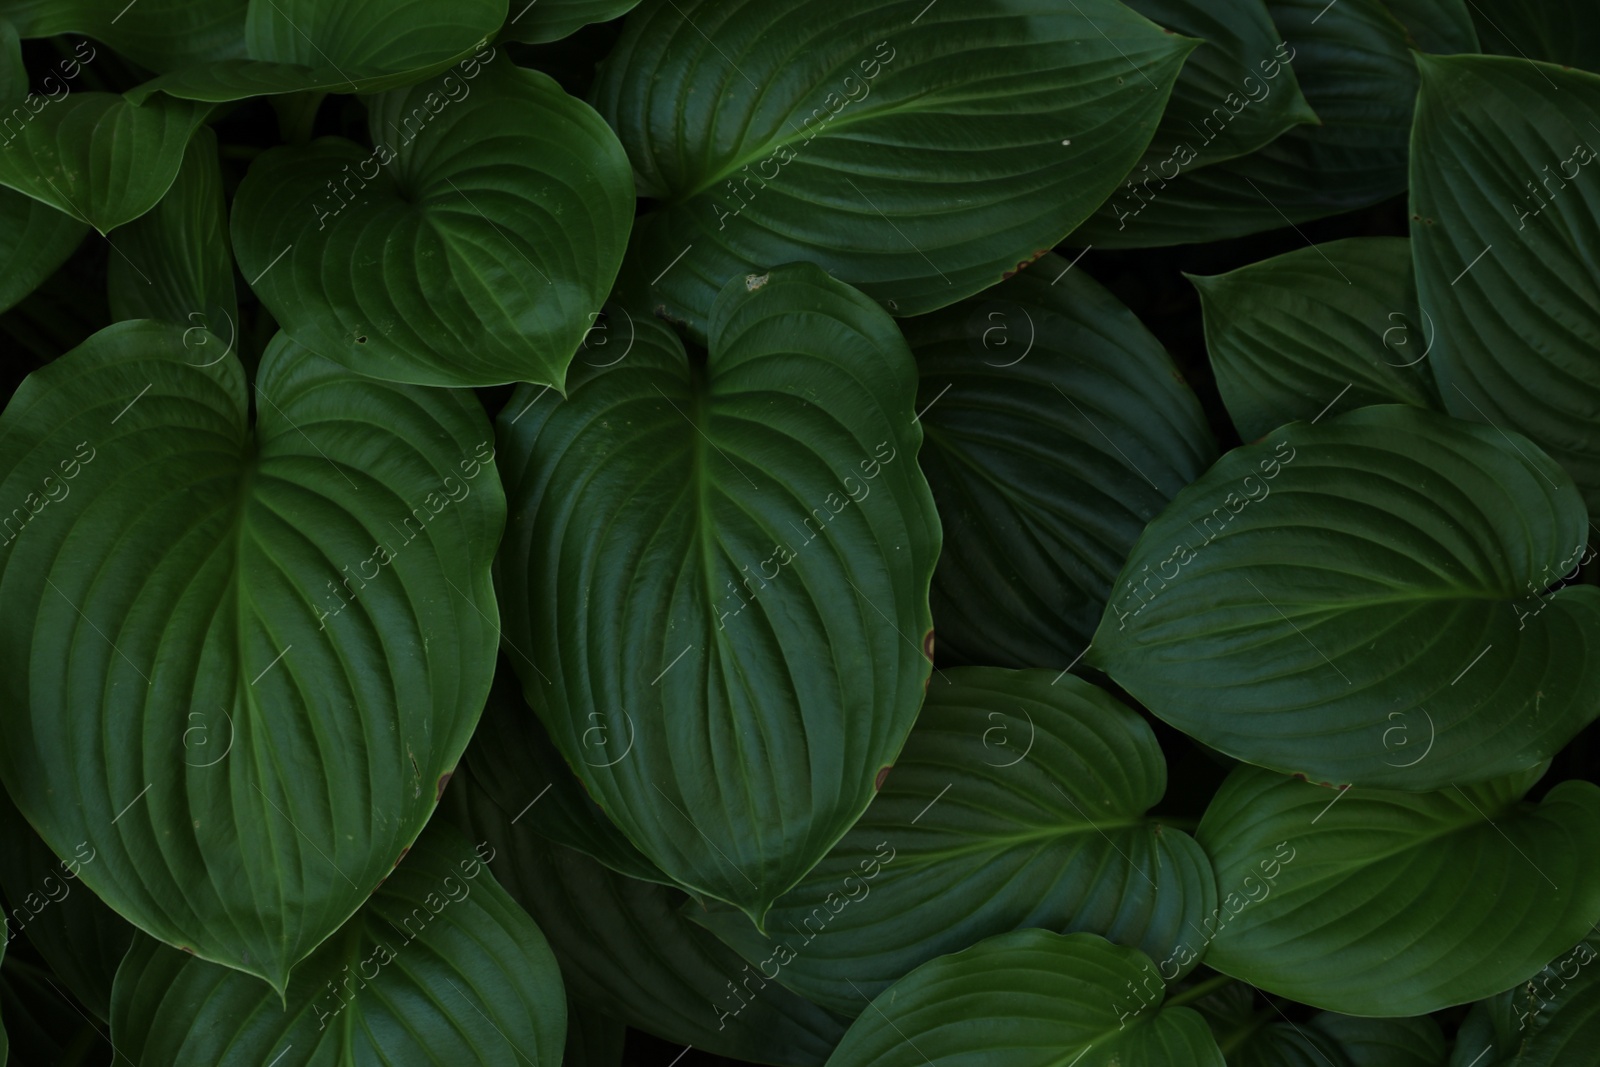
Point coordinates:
[[1555, 33], [1403, 903], [1017, 802], [35, 239], [626, 949], [1256, 1036], [715, 578], [1332, 327], [551, 20], [1057, 427], [440, 967], [1365, 600], [918, 152], [1551, 1019], [1508, 249], [158, 34], [472, 246], [97, 157], [1026, 999], [241, 657], [341, 46]]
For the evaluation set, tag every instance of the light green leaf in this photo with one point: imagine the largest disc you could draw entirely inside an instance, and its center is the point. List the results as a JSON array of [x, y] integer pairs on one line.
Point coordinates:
[[626, 949], [259, 724], [1550, 1020], [95, 156], [439, 967], [1017, 802], [541, 21], [919, 155], [1327, 328], [1057, 427], [35, 239], [1505, 186], [716, 578], [1397, 903], [158, 34], [1355, 66], [1363, 600], [472, 246], [1027, 999], [344, 46], [174, 263]]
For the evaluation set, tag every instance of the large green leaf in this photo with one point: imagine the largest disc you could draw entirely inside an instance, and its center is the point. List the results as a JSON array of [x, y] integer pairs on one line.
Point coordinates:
[[1551, 1019], [35, 239], [1402, 903], [917, 151], [1255, 1036], [1016, 803], [202, 680], [80, 938], [1026, 999], [539, 21], [158, 34], [1356, 69], [1331, 327], [439, 967], [342, 46], [174, 263], [1568, 34], [472, 246], [1416, 1041], [1363, 600], [97, 157], [626, 949], [1057, 427], [1223, 93], [1508, 249], [733, 722]]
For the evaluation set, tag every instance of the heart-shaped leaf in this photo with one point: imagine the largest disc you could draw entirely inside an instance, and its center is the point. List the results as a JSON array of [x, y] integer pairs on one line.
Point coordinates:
[[341, 46], [626, 949], [1057, 427], [97, 157], [1331, 327], [258, 726], [731, 720], [472, 246], [918, 152], [1027, 999], [551, 20], [1403, 903], [1365, 601], [440, 967], [1017, 802], [1508, 249], [157, 34], [174, 262], [1551, 1019]]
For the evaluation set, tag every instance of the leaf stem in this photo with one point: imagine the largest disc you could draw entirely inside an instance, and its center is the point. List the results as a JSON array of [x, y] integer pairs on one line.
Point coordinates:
[[1197, 991]]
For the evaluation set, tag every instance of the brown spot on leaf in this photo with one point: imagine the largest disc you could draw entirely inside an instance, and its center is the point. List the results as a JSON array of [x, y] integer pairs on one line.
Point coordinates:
[[927, 645], [444, 780], [402, 855], [883, 773]]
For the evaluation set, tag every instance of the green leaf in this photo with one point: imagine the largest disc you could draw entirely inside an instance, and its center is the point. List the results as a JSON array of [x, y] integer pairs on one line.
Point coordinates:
[[173, 262], [80, 938], [731, 720], [626, 949], [255, 735], [1016, 803], [1551, 1019], [158, 34], [1377, 614], [439, 967], [515, 762], [1254, 1036], [594, 1039], [1508, 249], [1222, 92], [1057, 427], [35, 239], [1407, 1042], [472, 246], [1355, 67], [919, 157], [348, 46], [541, 21], [1398, 903], [1443, 27], [1333, 326], [1027, 999], [95, 156], [13, 73], [1565, 34]]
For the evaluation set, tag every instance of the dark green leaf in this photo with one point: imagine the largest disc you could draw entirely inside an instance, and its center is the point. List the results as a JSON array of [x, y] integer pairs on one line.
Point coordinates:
[[1331, 327], [919, 152], [1406, 1042], [733, 722], [35, 239], [472, 246], [1364, 601], [1551, 1020], [539, 21], [1568, 34], [257, 726], [1017, 802], [158, 34], [594, 1039], [1057, 427]]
